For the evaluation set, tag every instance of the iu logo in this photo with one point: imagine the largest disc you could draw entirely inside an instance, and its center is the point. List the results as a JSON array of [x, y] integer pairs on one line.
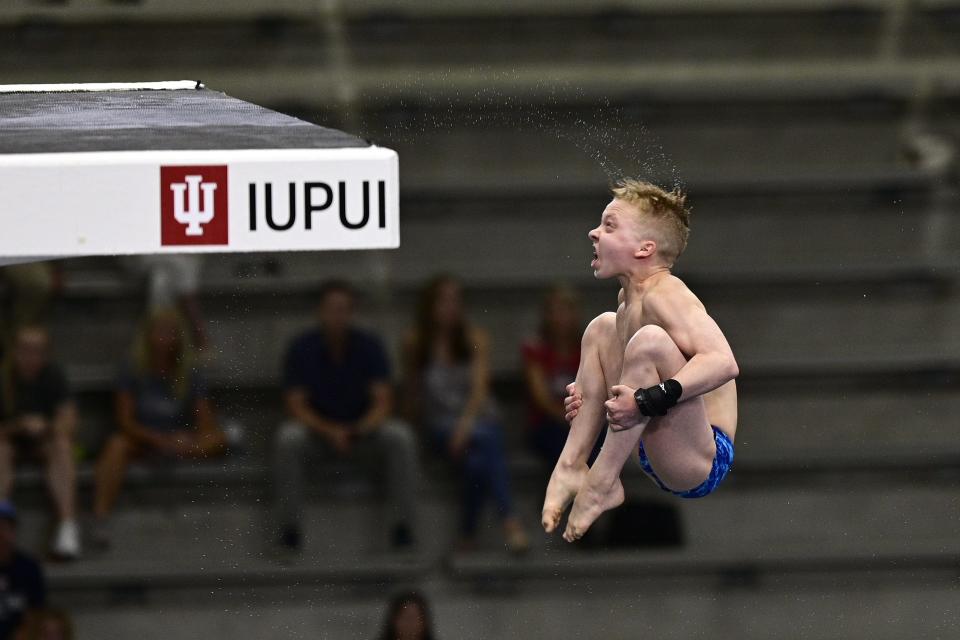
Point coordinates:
[[193, 205]]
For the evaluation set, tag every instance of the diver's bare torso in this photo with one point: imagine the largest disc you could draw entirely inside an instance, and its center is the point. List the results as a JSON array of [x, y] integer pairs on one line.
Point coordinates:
[[721, 403]]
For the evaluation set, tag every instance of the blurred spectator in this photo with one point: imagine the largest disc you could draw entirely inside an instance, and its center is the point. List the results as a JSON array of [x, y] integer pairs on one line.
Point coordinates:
[[173, 280], [39, 419], [447, 383], [339, 400], [408, 618], [162, 410], [30, 288], [550, 363], [46, 624], [23, 589]]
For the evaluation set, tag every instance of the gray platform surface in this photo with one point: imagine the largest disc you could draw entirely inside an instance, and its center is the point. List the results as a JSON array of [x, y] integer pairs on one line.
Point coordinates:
[[133, 120]]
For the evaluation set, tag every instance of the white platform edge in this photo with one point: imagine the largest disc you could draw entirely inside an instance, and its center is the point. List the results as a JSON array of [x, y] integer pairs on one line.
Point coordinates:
[[45, 184], [169, 85]]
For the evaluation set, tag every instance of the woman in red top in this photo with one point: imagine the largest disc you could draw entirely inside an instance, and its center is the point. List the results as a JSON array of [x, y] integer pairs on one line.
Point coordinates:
[[550, 362]]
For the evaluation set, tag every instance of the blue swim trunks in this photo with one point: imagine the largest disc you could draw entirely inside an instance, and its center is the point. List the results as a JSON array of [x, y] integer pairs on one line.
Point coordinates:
[[721, 466]]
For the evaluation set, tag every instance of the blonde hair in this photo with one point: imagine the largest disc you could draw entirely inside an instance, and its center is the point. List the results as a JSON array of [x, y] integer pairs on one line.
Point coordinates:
[[667, 208], [186, 359]]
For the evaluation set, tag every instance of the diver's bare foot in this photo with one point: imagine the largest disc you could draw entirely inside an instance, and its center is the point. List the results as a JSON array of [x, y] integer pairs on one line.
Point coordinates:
[[565, 482], [594, 498]]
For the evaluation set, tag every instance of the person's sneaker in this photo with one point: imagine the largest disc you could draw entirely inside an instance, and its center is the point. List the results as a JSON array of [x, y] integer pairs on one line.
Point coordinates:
[[402, 537], [66, 544]]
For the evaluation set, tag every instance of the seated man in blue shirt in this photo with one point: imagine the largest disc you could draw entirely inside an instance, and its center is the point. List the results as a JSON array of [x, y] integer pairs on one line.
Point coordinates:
[[339, 399]]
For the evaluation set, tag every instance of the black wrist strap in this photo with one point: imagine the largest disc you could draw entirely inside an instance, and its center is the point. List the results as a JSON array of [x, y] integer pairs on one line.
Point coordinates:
[[658, 399]]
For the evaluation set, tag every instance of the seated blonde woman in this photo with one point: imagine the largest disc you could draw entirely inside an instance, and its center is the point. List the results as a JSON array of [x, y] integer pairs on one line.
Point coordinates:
[[162, 410]]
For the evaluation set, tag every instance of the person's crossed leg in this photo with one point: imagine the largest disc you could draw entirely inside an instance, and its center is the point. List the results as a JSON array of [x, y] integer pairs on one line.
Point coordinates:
[[680, 445], [600, 358]]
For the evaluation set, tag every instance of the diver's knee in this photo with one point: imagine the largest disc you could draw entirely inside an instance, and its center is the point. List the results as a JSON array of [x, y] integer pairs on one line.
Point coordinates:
[[648, 342], [601, 329]]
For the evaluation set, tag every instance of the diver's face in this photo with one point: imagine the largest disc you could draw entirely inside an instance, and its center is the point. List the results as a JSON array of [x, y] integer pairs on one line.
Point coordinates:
[[615, 240]]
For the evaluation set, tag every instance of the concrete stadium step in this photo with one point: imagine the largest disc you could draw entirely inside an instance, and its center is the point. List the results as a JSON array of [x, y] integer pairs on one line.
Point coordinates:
[[233, 544], [118, 296], [767, 456], [810, 428], [463, 157], [386, 64], [164, 484], [300, 275], [885, 604], [889, 531], [89, 11], [814, 426], [149, 11], [595, 36], [817, 423], [263, 373], [769, 329], [767, 529], [848, 524], [310, 86], [394, 39]]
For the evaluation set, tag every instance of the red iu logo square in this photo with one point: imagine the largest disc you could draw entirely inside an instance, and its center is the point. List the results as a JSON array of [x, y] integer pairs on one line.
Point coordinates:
[[193, 205]]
